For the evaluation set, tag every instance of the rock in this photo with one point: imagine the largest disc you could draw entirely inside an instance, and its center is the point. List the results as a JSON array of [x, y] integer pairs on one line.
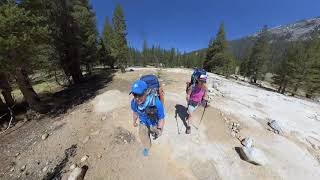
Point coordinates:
[[78, 173], [17, 154], [95, 133], [103, 118], [100, 156], [86, 139], [275, 126], [247, 142], [253, 155], [23, 168], [73, 166], [84, 158], [12, 169], [44, 136], [45, 169], [233, 134]]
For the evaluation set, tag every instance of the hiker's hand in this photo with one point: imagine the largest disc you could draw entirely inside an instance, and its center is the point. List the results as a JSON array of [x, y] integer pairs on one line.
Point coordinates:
[[205, 103], [135, 124], [157, 133]]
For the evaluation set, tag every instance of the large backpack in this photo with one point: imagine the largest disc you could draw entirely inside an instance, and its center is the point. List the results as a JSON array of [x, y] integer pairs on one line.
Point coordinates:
[[154, 86], [195, 76], [155, 89]]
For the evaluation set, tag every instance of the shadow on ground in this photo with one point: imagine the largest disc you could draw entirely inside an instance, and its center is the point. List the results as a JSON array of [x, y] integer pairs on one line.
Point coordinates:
[[61, 101], [181, 111], [57, 171]]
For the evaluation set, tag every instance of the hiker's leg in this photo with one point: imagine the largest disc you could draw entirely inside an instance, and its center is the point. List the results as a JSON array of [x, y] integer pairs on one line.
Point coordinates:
[[191, 109], [144, 135]]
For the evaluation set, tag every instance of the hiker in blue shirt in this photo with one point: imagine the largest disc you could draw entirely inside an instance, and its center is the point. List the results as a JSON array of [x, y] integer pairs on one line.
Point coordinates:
[[149, 109]]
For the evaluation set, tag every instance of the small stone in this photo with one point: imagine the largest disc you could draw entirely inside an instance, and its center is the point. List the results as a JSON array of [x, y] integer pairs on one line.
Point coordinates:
[[100, 156], [73, 166], [47, 163], [44, 136], [27, 173], [17, 154], [77, 174], [86, 139], [84, 158], [45, 169], [12, 169], [233, 134], [95, 133], [23, 168], [104, 118]]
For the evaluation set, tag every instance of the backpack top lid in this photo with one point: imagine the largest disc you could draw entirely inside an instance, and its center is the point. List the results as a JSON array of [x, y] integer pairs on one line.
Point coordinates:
[[151, 80]]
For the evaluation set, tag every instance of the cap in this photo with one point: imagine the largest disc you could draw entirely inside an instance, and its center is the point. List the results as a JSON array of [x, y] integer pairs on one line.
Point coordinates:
[[203, 78], [138, 87]]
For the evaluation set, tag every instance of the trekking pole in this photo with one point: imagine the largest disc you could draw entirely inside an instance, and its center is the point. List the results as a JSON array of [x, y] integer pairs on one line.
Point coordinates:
[[204, 110], [177, 123]]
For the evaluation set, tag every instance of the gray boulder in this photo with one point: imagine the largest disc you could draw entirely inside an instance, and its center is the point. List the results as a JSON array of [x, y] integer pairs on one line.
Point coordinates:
[[253, 155], [276, 127]]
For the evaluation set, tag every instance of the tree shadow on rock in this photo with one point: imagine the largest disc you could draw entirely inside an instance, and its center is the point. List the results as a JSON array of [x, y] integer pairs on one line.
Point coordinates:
[[74, 95]]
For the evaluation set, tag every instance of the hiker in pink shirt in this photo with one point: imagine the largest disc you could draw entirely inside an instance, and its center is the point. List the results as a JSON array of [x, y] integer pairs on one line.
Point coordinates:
[[196, 95]]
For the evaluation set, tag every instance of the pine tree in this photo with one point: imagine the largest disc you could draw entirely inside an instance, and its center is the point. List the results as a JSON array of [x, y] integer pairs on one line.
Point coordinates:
[[102, 55], [259, 57], [21, 34], [108, 40], [218, 58], [85, 17], [312, 85], [283, 73], [120, 41], [145, 53]]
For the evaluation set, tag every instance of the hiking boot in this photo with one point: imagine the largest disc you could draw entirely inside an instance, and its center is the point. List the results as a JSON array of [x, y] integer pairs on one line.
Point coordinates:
[[188, 130], [145, 152]]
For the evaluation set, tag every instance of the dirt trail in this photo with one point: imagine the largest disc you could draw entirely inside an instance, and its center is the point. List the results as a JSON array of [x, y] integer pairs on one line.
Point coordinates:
[[102, 129]]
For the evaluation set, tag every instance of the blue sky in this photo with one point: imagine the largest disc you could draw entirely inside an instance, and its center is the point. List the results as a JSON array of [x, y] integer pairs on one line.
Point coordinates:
[[189, 24]]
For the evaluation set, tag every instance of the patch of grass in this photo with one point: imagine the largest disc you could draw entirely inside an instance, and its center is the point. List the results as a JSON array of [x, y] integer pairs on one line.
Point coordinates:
[[45, 87]]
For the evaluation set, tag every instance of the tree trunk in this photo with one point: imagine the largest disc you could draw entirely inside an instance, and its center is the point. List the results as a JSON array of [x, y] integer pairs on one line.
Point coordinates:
[[28, 92], [6, 89], [279, 89], [295, 89], [284, 87], [3, 106], [88, 68], [123, 70]]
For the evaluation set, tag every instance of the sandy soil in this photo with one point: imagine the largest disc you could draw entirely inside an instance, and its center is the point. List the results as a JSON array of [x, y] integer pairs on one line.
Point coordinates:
[[101, 128]]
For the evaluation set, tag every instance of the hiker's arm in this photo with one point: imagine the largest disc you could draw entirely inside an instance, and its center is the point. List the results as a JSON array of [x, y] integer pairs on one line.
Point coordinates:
[[188, 94], [134, 113], [135, 119], [205, 96], [161, 115], [161, 124]]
